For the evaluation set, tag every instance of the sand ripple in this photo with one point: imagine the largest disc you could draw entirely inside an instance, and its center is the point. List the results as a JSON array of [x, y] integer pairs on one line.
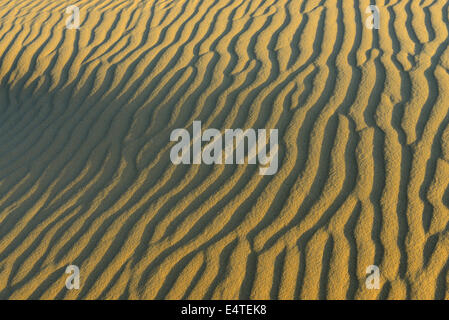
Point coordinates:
[[86, 178]]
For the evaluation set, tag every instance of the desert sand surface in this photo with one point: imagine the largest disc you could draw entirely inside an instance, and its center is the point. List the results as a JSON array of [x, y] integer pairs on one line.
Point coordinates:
[[85, 171]]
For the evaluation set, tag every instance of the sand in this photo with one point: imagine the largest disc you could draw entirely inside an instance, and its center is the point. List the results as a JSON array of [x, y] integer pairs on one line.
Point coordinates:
[[85, 171]]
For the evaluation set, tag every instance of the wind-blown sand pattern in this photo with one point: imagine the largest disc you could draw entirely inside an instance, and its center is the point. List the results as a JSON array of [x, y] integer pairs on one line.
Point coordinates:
[[86, 176]]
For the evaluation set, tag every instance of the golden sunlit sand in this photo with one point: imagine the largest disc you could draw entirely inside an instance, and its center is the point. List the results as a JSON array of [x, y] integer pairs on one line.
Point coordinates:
[[85, 171]]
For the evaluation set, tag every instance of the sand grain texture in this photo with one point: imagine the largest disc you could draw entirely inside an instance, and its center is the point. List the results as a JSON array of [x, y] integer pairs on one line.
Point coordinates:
[[86, 177]]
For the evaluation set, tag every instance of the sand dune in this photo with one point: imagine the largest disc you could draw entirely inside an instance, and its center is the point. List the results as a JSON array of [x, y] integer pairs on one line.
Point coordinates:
[[85, 170]]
